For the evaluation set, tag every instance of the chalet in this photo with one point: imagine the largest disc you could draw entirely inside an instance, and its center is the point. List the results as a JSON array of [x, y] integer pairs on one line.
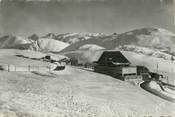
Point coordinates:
[[114, 63]]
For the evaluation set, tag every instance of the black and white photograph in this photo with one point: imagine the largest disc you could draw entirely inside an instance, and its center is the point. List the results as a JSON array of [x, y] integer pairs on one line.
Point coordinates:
[[87, 58]]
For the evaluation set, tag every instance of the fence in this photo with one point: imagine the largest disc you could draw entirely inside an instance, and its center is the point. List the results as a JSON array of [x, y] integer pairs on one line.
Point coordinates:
[[26, 68]]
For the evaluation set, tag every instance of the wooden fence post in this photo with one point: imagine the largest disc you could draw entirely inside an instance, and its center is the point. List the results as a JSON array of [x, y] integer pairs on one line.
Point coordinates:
[[8, 68], [29, 68]]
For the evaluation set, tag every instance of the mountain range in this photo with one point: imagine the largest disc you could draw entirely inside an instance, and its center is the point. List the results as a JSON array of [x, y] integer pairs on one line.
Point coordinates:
[[154, 39]]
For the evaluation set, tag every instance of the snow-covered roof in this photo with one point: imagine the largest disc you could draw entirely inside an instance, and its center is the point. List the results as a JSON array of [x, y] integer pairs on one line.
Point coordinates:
[[114, 56]]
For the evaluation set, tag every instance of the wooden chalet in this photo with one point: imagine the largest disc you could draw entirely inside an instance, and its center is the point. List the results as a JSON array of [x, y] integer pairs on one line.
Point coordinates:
[[114, 63]]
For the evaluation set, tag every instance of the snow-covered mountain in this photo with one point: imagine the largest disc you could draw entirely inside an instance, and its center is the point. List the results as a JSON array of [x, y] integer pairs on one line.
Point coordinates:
[[72, 38], [32, 43], [51, 45], [156, 38], [161, 39], [153, 38]]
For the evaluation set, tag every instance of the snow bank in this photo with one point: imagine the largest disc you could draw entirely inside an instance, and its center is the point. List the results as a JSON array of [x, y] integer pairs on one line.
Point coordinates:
[[154, 85]]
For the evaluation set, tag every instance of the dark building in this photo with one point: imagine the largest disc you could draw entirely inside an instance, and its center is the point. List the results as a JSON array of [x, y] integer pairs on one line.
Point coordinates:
[[115, 64]]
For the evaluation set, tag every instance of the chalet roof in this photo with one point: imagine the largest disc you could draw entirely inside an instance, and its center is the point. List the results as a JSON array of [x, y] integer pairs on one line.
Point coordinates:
[[116, 57]]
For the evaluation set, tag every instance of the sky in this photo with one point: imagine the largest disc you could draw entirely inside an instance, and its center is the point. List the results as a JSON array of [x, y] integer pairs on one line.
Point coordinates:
[[84, 16]]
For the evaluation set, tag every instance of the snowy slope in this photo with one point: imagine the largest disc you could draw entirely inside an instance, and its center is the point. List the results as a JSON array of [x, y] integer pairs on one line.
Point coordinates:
[[51, 45], [149, 51], [21, 60], [8, 56], [72, 92], [9, 60]]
